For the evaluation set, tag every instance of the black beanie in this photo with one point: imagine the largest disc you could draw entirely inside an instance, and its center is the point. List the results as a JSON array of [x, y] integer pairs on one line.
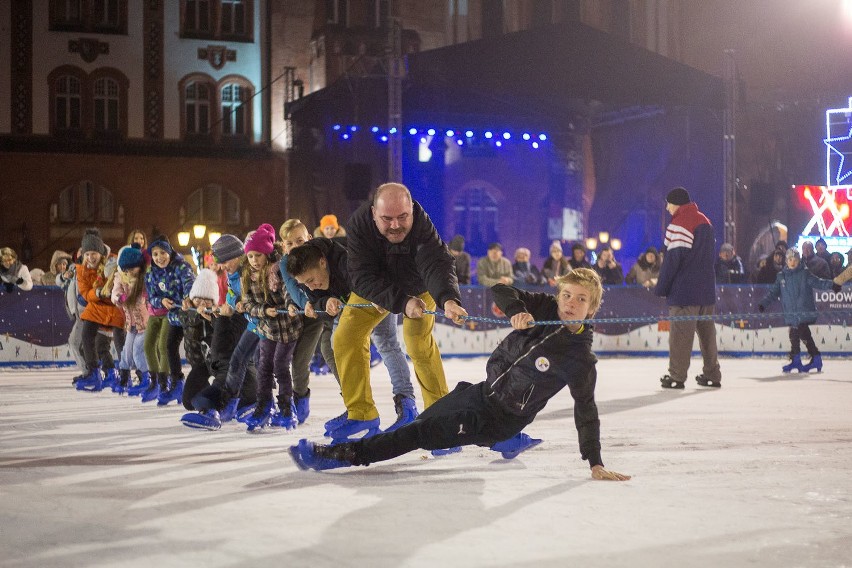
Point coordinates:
[[678, 196]]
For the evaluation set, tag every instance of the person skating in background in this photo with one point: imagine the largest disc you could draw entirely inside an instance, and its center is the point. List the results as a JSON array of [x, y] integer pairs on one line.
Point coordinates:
[[608, 268], [13, 274], [494, 268], [528, 368], [795, 286], [196, 318], [687, 281], [462, 259], [646, 270], [265, 298], [129, 294], [167, 282], [100, 316]]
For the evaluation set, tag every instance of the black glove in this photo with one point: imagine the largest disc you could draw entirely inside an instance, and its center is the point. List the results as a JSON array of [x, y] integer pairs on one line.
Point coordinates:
[[760, 308], [19, 281], [836, 287]]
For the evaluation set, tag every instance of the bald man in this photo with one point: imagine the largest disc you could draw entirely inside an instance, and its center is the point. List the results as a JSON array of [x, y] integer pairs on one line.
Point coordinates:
[[399, 264]]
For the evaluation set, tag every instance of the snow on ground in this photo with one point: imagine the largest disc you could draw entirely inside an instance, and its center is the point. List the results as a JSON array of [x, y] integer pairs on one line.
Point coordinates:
[[754, 474]]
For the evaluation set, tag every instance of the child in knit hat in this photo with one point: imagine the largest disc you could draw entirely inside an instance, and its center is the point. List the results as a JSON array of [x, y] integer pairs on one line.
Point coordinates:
[[329, 228], [265, 297], [194, 316], [128, 293]]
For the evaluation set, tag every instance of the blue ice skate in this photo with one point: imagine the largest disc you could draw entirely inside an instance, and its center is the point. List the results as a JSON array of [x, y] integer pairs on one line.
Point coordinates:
[[308, 455], [152, 392], [230, 411], [446, 451], [110, 379], [285, 417], [303, 406], [318, 365], [144, 383], [260, 418], [518, 443], [375, 358], [349, 428], [406, 412], [175, 392], [93, 382], [815, 363], [244, 412], [208, 420], [335, 422]]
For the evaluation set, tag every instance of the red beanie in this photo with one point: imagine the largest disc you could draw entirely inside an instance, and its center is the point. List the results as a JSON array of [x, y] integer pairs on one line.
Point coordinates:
[[261, 240]]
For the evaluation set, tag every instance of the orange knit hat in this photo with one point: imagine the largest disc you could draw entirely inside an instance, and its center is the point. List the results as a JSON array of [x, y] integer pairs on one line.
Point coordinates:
[[329, 221]]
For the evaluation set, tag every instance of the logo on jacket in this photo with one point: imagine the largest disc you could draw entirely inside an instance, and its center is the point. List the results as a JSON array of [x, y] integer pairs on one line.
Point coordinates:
[[542, 364], [162, 286]]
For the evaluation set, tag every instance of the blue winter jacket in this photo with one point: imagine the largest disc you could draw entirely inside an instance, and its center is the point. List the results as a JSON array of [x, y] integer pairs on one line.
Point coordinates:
[[687, 276], [795, 287], [235, 288], [297, 295], [173, 282]]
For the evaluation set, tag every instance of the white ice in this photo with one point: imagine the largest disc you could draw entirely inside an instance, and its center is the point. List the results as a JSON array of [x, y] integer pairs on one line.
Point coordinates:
[[754, 474]]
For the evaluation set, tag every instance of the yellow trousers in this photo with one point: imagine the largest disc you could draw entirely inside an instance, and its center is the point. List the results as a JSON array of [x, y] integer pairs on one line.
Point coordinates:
[[352, 356]]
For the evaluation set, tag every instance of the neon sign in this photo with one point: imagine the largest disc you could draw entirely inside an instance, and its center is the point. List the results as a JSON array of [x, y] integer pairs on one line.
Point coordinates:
[[838, 142]]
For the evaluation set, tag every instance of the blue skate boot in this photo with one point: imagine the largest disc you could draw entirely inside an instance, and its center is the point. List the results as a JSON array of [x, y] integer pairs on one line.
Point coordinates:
[[318, 365], [141, 386], [349, 428], [120, 386], [230, 411], [303, 405], [285, 417], [406, 412], [260, 418], [158, 383], [318, 457], [796, 365], [518, 443], [207, 420], [93, 382], [375, 358], [446, 451], [110, 379], [815, 363], [335, 422], [245, 411], [175, 392]]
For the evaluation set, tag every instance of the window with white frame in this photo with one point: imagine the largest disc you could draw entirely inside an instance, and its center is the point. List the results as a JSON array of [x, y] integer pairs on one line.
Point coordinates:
[[197, 107], [106, 99], [68, 103], [234, 119]]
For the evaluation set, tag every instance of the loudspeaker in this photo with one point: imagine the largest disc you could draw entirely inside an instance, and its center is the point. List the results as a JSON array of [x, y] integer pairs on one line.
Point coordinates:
[[762, 198], [357, 181]]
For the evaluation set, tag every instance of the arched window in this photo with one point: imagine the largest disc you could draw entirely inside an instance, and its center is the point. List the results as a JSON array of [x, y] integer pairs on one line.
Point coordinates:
[[68, 105], [213, 204], [106, 99], [235, 117], [197, 98], [85, 202]]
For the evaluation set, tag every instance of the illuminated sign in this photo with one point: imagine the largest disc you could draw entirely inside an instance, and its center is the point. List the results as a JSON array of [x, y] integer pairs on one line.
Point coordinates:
[[838, 142]]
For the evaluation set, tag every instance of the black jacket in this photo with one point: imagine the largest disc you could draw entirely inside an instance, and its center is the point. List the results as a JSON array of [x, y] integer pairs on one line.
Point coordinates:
[[197, 336], [389, 274], [530, 366], [338, 277]]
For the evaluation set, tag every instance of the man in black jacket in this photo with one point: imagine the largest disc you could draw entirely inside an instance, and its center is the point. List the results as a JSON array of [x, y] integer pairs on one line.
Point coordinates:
[[527, 369], [399, 264]]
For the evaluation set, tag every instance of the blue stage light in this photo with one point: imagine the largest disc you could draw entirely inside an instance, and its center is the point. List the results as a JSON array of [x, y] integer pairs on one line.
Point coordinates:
[[535, 144], [353, 128], [412, 131], [450, 133], [488, 134], [392, 130], [542, 137], [526, 136], [374, 129], [460, 142], [431, 132], [469, 133], [345, 137], [506, 135], [336, 127], [498, 144], [384, 138]]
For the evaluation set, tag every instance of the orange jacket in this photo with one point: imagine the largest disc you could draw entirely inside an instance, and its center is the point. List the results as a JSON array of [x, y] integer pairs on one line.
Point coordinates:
[[98, 309]]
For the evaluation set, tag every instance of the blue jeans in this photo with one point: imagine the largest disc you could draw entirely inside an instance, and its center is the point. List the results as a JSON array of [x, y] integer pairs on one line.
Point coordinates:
[[243, 353], [133, 354], [387, 344]]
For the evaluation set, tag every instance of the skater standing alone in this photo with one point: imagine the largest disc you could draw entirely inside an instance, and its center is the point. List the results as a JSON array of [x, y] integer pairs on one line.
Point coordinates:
[[795, 286]]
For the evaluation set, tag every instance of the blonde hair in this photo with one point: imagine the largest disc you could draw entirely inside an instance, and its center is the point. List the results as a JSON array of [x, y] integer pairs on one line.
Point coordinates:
[[6, 251], [588, 279], [289, 226]]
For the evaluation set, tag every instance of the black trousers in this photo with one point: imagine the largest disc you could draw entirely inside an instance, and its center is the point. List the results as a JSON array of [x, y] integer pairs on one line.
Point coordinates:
[[226, 334], [802, 332], [96, 346], [173, 346], [463, 417]]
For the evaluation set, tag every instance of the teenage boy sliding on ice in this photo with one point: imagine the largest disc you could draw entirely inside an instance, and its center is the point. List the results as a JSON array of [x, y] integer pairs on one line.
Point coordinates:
[[531, 365]]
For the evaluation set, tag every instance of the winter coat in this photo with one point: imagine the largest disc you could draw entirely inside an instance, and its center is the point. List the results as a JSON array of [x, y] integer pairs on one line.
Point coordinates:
[[530, 366], [554, 269], [91, 283], [729, 271], [73, 305], [283, 327], [390, 274], [527, 273], [462, 262], [17, 276], [687, 276], [488, 273], [197, 335], [796, 289], [173, 282], [339, 285], [51, 277], [136, 314], [767, 273], [610, 276], [818, 266], [643, 272], [234, 295]]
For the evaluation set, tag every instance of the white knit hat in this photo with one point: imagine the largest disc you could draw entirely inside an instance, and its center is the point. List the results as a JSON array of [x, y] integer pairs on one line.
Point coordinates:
[[206, 286]]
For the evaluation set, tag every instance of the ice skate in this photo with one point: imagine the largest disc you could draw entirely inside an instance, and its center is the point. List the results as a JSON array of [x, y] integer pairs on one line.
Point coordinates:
[[705, 382], [668, 382], [259, 419], [815, 363], [230, 411], [795, 364], [518, 443], [123, 382], [375, 358], [208, 420], [141, 386], [303, 406], [350, 428], [110, 379], [285, 417], [245, 411], [175, 392], [406, 412], [153, 390], [308, 455], [446, 451], [318, 365], [335, 422], [93, 382]]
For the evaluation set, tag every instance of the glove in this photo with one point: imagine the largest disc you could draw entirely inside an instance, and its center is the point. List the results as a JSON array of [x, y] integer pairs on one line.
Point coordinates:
[[122, 299], [836, 287], [19, 281], [760, 308]]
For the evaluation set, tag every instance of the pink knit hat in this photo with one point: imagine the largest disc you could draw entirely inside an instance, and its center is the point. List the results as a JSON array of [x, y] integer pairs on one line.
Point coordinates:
[[261, 240]]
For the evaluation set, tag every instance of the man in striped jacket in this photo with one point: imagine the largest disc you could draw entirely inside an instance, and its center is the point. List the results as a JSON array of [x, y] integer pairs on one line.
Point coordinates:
[[688, 282]]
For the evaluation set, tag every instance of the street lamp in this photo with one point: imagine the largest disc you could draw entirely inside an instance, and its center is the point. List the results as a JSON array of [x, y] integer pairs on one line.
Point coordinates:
[[199, 230], [591, 243], [616, 244], [603, 237], [183, 238], [213, 236]]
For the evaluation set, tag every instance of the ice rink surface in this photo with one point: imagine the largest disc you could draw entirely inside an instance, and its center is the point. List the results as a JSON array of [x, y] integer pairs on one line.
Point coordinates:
[[754, 474]]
